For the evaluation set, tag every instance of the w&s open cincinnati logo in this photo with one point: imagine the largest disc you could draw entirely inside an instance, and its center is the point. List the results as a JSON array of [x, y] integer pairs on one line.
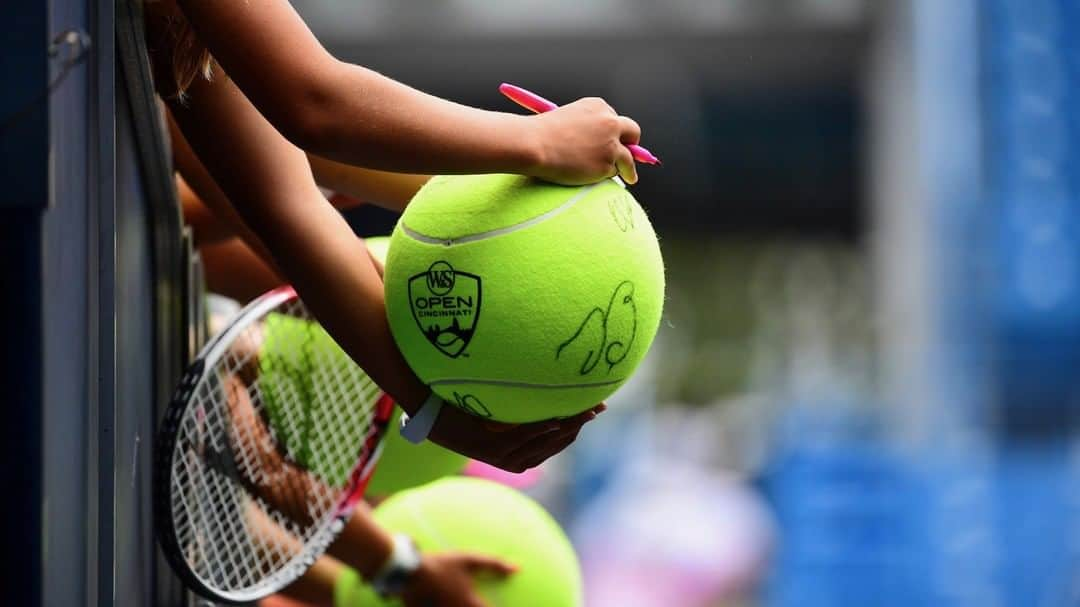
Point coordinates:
[[446, 305]]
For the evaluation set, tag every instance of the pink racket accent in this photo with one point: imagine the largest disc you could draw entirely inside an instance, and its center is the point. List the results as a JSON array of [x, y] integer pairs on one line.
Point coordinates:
[[282, 290], [361, 476], [522, 480]]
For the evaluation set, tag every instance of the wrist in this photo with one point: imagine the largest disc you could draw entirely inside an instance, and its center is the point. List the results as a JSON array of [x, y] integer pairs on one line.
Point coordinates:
[[411, 393], [399, 569], [416, 398], [527, 151], [416, 428]]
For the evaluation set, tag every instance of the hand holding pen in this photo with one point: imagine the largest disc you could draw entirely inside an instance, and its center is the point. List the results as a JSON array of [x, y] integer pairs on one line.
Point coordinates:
[[539, 105]]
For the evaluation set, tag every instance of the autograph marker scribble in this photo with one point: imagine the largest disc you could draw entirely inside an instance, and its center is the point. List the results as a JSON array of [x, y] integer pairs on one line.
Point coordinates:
[[598, 338]]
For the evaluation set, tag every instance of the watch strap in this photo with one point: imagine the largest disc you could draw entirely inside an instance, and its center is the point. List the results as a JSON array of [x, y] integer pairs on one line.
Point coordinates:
[[399, 567], [417, 427]]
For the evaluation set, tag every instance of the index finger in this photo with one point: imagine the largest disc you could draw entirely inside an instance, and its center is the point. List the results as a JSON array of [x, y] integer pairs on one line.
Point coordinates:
[[500, 426], [477, 563], [629, 130]]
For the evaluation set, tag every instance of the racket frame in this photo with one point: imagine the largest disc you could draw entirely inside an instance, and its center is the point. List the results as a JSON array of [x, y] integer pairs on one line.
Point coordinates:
[[166, 450]]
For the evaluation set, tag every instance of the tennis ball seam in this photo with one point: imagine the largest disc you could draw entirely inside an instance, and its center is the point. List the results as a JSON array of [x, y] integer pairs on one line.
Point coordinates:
[[528, 223], [520, 384]]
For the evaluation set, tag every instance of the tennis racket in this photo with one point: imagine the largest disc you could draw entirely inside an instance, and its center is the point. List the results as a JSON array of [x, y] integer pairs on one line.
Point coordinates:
[[264, 452]]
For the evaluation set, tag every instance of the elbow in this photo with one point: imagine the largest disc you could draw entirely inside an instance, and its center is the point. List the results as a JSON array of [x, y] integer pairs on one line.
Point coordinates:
[[310, 116], [307, 128]]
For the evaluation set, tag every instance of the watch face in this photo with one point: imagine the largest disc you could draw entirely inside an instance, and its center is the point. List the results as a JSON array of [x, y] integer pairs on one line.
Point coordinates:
[[394, 583], [403, 562]]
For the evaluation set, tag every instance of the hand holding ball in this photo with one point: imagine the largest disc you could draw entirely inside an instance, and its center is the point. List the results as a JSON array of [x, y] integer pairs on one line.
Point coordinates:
[[481, 517]]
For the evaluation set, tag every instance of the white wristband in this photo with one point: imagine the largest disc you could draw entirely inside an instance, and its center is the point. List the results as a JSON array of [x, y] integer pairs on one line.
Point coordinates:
[[416, 428]]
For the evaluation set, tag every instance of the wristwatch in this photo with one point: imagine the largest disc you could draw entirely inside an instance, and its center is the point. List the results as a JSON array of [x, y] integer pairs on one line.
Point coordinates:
[[417, 428], [398, 569]]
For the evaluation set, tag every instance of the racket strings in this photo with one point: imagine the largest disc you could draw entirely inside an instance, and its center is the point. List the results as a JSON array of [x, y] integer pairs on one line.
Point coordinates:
[[267, 449]]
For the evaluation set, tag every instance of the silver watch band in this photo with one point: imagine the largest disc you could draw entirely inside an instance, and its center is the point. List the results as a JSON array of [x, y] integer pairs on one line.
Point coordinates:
[[395, 573], [417, 428]]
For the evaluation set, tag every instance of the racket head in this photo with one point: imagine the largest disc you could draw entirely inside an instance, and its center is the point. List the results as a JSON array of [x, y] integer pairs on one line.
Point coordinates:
[[264, 451]]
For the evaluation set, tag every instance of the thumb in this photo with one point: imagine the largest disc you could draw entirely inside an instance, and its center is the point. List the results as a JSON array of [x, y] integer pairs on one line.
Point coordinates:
[[476, 563]]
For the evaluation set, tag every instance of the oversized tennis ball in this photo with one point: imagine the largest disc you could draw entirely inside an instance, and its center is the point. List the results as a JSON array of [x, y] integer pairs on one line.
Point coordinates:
[[483, 517], [403, 464], [521, 300]]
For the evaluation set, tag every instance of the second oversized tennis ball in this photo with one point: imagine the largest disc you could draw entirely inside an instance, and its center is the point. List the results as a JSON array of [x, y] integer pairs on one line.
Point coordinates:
[[402, 464], [520, 300], [481, 517]]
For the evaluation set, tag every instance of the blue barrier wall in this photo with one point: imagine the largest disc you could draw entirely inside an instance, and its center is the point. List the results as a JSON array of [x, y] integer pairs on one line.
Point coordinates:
[[93, 266]]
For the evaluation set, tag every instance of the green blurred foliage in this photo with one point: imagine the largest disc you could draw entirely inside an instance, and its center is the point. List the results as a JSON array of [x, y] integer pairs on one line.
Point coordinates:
[[742, 311]]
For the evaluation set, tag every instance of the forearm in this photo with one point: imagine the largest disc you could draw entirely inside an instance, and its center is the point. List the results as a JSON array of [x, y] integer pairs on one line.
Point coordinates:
[[234, 270], [353, 186], [225, 221], [370, 120], [350, 113], [333, 272], [316, 586], [205, 226], [271, 186], [389, 190], [362, 544]]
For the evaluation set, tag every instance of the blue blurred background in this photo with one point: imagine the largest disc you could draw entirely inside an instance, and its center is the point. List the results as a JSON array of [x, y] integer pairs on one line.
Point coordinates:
[[865, 387]]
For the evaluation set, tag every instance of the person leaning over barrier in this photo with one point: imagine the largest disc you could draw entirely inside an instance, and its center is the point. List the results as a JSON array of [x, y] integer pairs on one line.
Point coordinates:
[[251, 89]]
